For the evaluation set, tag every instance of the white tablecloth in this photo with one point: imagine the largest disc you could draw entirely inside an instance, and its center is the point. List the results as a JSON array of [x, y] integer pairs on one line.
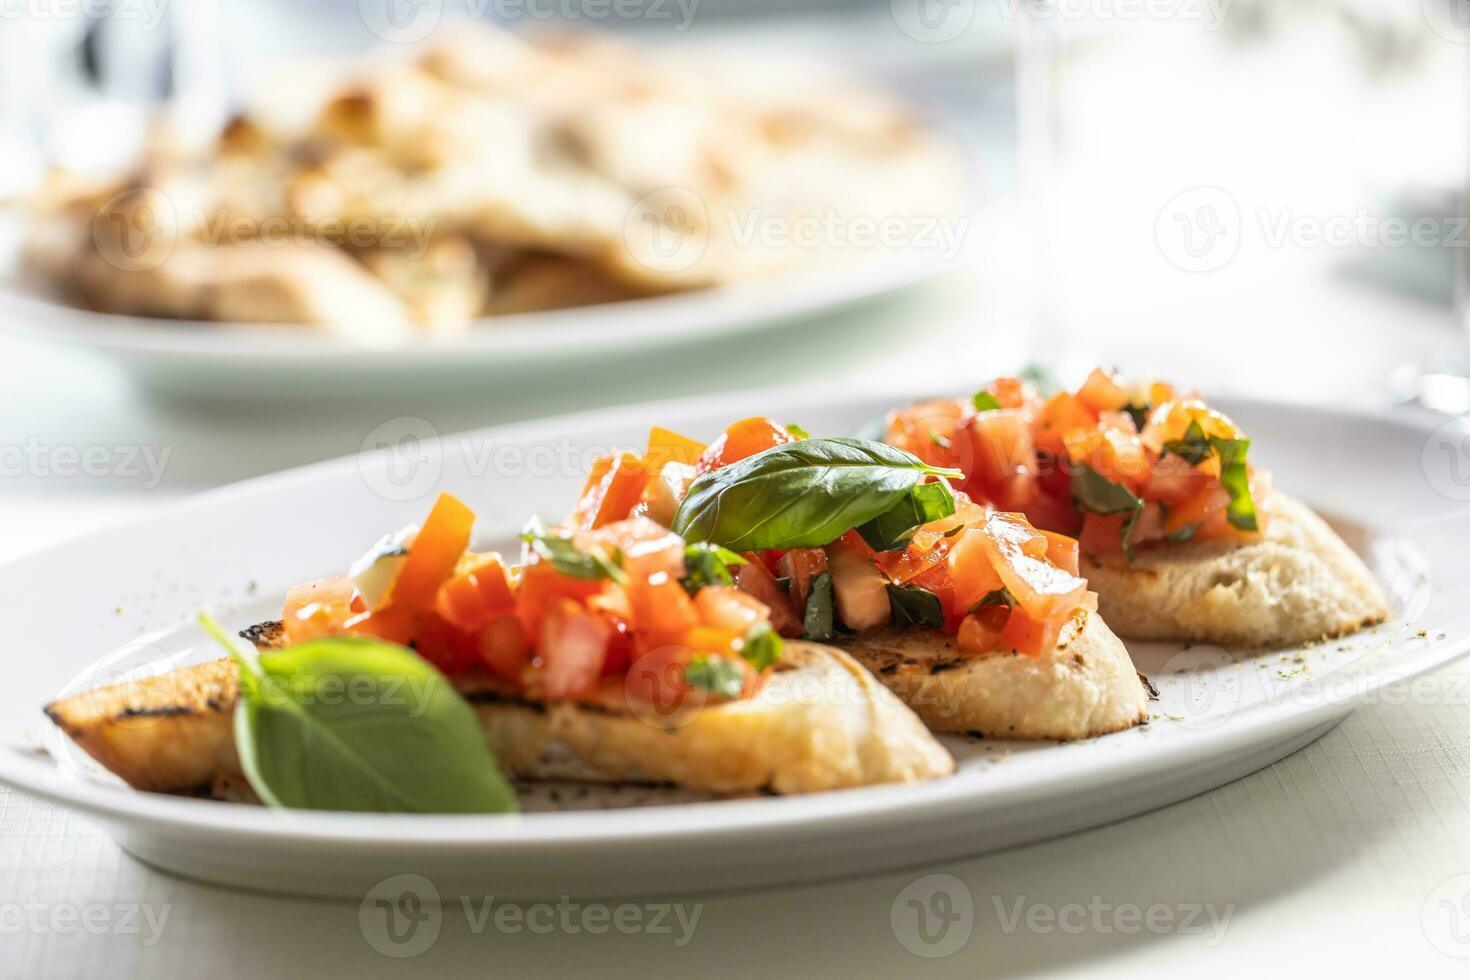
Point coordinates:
[[1347, 857]]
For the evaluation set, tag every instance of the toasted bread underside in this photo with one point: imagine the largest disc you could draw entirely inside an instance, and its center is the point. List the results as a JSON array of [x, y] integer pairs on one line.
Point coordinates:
[[1085, 686], [819, 722], [1298, 584]]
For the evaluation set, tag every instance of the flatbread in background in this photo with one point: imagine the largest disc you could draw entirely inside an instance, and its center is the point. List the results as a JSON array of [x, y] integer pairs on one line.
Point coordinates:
[[487, 173]]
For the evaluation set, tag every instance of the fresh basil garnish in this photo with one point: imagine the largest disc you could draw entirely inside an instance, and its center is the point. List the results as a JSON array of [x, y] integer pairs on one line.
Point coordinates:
[[716, 675], [1139, 414], [708, 564], [560, 548], [984, 401], [892, 529], [1234, 477], [1193, 448], [914, 605], [818, 621], [762, 646], [799, 495], [1181, 535], [1096, 494], [996, 597], [353, 723], [797, 431]]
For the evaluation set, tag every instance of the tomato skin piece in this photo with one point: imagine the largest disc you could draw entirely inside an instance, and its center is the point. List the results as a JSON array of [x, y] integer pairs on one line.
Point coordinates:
[[615, 487], [504, 648], [1047, 593], [754, 578], [433, 555], [661, 607], [474, 596], [570, 650], [541, 586], [1061, 551], [743, 438]]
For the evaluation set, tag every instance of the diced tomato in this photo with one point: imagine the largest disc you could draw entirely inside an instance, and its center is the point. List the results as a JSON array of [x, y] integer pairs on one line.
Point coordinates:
[[1003, 446], [451, 650], [731, 610], [646, 546], [1102, 534], [1115, 452], [744, 438], [1055, 513], [1061, 551], [661, 608], [320, 608], [935, 431], [970, 567], [621, 647], [615, 487], [474, 595], [1102, 393], [753, 577], [666, 446], [504, 647], [433, 555], [541, 586], [801, 565], [1171, 419], [1062, 415], [1194, 511], [1014, 393], [1029, 636], [1045, 591], [570, 650], [1174, 481], [980, 631]]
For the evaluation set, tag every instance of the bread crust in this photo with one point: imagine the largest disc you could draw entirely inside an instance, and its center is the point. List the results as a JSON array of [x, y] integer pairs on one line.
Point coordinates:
[[819, 722], [1299, 583], [1086, 686]]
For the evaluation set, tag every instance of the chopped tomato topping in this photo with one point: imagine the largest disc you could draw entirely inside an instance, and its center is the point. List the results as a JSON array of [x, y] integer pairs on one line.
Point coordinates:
[[801, 565], [317, 608], [753, 577], [433, 555], [473, 596], [504, 647], [744, 438], [569, 653], [615, 487], [666, 446]]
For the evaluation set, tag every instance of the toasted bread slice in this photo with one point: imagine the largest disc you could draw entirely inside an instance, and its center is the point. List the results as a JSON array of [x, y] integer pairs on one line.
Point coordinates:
[[1085, 686], [819, 722], [1299, 583]]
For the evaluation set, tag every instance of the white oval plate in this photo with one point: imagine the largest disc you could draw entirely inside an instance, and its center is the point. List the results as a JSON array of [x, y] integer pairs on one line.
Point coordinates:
[[235, 550], [241, 360]]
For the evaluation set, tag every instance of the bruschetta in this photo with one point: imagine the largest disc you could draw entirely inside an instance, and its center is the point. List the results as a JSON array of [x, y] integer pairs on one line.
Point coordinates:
[[1181, 536], [606, 654], [979, 621]]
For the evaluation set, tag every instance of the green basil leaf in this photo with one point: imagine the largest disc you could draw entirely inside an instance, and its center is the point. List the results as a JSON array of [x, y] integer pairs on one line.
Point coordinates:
[[708, 564], [914, 605], [799, 495], [997, 597], [984, 401], [1183, 534], [818, 619], [1096, 494], [1139, 414], [892, 529], [716, 675], [1194, 448], [353, 723], [1241, 511], [762, 646], [797, 431], [560, 548]]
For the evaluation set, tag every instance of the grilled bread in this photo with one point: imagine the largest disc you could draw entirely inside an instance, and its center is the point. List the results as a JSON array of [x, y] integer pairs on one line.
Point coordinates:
[[1297, 584], [819, 722], [1085, 686]]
